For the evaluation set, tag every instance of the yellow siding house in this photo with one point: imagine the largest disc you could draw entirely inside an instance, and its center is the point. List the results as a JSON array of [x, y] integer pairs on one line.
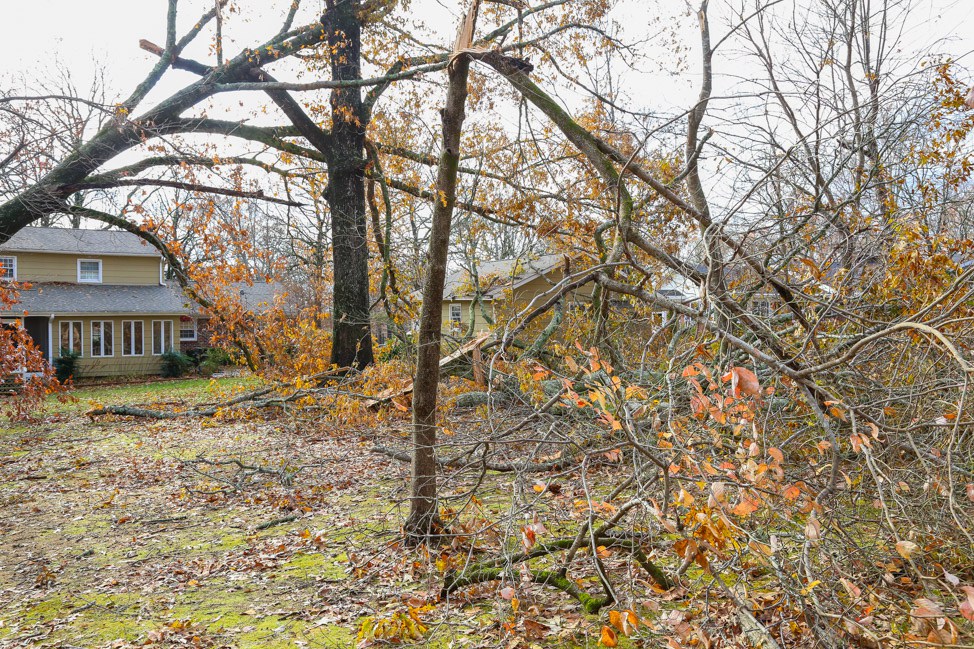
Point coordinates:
[[501, 286], [101, 293]]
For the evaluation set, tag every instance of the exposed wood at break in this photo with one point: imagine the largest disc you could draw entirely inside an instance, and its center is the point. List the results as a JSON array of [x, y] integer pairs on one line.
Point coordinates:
[[468, 349]]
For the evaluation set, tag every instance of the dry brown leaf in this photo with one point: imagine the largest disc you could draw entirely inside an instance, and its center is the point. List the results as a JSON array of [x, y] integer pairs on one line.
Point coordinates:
[[906, 549], [967, 606]]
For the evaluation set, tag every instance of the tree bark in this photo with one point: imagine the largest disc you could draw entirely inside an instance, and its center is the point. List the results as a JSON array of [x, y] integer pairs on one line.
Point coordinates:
[[423, 521], [351, 333]]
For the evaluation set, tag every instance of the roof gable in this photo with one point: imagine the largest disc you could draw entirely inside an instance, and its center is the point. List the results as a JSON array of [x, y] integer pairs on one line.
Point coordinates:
[[496, 276]]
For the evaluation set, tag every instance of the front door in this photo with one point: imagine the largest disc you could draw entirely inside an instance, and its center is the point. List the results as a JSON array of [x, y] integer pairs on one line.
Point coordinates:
[[39, 329]]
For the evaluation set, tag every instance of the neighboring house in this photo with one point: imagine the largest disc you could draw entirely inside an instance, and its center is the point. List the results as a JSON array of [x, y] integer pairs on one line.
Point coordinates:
[[100, 293], [516, 282], [502, 283]]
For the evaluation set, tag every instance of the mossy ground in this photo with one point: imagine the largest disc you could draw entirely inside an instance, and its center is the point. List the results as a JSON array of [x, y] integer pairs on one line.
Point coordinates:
[[108, 537]]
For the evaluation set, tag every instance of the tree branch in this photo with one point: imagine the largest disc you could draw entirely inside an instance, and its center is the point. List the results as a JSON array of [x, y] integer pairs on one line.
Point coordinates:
[[192, 187]]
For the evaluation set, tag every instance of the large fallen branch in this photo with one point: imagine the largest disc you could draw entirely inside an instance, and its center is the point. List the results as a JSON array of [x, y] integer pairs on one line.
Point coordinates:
[[209, 411], [501, 566], [246, 400]]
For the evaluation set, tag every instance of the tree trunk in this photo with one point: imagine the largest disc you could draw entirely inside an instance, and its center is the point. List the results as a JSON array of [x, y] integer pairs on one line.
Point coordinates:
[[423, 520], [351, 334]]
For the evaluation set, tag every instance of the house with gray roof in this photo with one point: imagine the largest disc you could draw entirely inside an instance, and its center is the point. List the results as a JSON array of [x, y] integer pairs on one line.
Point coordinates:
[[99, 293], [497, 289], [474, 297]]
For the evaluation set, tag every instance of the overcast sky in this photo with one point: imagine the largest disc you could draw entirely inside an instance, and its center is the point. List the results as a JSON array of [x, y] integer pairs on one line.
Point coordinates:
[[81, 34], [78, 35]]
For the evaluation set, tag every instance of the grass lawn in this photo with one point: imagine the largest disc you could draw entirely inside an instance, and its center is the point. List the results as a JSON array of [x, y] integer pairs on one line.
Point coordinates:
[[114, 534], [190, 390]]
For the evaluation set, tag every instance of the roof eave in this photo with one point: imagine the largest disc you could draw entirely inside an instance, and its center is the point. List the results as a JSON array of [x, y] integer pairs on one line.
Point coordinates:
[[6, 251]]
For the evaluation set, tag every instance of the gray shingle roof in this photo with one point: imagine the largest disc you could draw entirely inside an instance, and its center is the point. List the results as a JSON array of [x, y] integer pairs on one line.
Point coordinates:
[[58, 298], [257, 298], [261, 296], [88, 242]]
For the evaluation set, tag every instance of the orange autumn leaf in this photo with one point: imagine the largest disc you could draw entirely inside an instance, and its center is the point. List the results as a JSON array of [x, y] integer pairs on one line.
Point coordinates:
[[747, 506], [743, 382], [791, 492], [624, 621], [608, 637], [631, 619], [615, 619]]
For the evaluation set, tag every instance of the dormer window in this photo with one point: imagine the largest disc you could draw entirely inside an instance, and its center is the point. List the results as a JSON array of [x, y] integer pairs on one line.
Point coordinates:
[[8, 268], [89, 271]]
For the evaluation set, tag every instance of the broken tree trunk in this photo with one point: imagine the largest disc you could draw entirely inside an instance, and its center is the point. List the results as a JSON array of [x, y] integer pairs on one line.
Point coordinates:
[[423, 520], [472, 348]]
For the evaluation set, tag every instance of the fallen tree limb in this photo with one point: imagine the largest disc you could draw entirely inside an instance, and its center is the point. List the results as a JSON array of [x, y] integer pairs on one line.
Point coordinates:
[[277, 521], [244, 471], [499, 567], [213, 409], [547, 577]]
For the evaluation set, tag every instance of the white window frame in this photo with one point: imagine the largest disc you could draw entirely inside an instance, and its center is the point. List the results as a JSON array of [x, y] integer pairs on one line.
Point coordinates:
[[162, 272], [191, 321], [101, 348], [90, 281], [13, 258], [81, 335], [126, 336], [163, 324], [458, 319]]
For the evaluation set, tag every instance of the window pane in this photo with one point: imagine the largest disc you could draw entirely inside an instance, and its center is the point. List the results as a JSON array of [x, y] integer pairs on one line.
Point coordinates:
[[138, 337], [65, 338], [187, 330], [96, 339], [89, 271], [132, 338], [6, 267], [108, 338], [76, 337], [157, 337]]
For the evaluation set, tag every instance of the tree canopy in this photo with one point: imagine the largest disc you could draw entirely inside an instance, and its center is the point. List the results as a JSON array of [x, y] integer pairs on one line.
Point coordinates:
[[773, 349]]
